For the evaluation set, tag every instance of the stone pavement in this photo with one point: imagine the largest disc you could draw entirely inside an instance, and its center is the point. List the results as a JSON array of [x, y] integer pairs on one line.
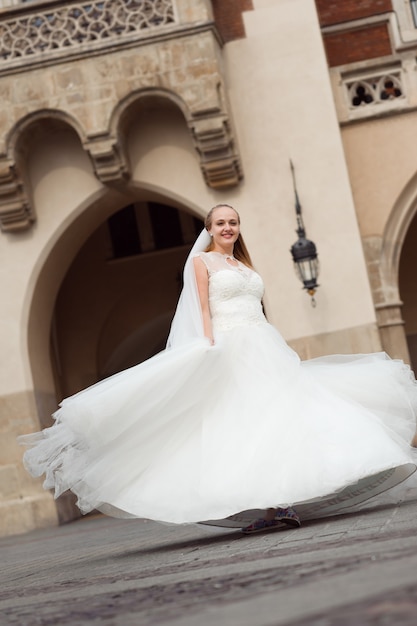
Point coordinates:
[[354, 569]]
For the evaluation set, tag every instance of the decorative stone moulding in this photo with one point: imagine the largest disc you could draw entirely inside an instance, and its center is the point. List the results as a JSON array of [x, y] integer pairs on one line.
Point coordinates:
[[373, 90], [32, 32], [109, 162], [41, 35], [15, 208], [370, 89], [219, 162], [213, 141]]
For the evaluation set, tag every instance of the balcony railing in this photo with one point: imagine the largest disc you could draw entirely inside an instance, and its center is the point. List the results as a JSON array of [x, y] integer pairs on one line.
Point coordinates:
[[41, 31]]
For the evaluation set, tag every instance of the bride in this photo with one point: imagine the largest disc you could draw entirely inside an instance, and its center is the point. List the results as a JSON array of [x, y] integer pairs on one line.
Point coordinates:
[[227, 426]]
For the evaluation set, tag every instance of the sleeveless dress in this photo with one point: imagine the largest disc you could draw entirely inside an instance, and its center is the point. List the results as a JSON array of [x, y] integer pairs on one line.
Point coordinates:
[[218, 433]]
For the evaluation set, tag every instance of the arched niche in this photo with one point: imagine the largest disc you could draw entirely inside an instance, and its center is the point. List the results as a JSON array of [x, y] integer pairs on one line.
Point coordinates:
[[152, 128], [205, 138], [39, 129], [24, 132]]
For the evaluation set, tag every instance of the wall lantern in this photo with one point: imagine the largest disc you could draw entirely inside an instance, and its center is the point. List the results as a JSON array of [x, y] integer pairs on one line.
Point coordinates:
[[304, 252]]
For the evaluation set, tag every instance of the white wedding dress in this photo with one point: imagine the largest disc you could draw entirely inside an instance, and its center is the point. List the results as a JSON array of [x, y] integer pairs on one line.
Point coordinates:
[[201, 432]]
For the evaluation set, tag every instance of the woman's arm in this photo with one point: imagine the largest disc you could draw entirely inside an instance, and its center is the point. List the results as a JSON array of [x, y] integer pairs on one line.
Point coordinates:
[[201, 276]]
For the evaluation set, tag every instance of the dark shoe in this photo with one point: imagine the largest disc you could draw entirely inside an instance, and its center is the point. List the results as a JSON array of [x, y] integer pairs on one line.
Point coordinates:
[[262, 525]]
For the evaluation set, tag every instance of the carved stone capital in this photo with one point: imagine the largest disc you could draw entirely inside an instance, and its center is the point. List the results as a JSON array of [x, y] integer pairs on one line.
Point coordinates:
[[108, 158], [16, 212], [219, 161]]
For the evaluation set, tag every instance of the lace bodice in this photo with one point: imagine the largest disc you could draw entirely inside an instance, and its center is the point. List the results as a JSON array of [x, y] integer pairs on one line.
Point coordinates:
[[235, 293]]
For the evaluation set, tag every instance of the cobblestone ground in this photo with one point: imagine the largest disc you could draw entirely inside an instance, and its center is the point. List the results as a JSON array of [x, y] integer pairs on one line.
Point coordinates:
[[350, 570]]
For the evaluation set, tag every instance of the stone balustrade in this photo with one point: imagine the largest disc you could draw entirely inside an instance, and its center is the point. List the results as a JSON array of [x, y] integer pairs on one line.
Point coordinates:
[[34, 32]]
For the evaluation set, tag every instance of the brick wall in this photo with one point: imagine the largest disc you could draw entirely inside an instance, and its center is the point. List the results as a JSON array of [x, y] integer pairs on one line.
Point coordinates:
[[336, 11], [357, 45], [228, 17]]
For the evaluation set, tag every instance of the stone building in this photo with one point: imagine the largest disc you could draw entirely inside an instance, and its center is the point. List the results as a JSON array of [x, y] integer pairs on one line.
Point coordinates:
[[124, 121]]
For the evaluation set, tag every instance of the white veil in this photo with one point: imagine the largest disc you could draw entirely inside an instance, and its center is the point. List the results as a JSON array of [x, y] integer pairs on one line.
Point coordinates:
[[187, 323]]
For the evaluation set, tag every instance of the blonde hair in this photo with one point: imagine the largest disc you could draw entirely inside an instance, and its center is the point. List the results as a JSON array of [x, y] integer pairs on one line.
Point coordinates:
[[240, 251]]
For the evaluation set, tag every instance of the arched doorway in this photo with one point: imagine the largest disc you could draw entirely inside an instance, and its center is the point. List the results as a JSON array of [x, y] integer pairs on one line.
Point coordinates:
[[68, 340], [115, 304], [97, 304], [390, 261], [408, 289]]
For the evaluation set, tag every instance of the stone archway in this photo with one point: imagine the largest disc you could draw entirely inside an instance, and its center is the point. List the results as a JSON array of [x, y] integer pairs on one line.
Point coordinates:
[[47, 276], [116, 301], [383, 255], [407, 286], [64, 358]]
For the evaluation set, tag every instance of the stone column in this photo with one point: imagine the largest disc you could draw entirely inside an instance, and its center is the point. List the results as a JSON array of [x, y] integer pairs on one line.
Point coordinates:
[[384, 286], [391, 330], [23, 504]]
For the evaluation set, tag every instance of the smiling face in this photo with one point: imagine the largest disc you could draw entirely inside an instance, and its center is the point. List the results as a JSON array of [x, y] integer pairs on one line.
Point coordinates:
[[224, 226]]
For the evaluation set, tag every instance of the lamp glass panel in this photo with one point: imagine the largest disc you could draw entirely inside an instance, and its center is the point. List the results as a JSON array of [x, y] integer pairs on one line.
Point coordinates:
[[307, 269]]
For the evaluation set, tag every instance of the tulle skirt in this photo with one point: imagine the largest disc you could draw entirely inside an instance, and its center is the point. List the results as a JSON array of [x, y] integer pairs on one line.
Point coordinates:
[[202, 432]]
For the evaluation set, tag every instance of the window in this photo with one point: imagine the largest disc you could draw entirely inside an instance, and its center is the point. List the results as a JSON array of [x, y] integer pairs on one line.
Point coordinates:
[[166, 226], [124, 233], [148, 226], [413, 5], [374, 89]]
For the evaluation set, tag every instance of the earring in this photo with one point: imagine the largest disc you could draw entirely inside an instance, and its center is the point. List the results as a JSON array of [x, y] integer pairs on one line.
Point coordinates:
[[211, 234]]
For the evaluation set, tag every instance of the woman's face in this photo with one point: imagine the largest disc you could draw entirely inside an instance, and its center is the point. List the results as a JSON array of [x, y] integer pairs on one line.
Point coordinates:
[[225, 226]]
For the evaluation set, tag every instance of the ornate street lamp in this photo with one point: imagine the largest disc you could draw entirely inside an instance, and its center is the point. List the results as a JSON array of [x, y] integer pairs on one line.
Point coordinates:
[[304, 252]]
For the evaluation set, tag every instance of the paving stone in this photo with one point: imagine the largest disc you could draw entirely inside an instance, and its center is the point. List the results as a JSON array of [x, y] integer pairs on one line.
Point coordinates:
[[355, 569]]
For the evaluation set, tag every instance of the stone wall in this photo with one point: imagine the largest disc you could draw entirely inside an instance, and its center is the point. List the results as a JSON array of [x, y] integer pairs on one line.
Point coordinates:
[[92, 88], [368, 42], [175, 118], [23, 504]]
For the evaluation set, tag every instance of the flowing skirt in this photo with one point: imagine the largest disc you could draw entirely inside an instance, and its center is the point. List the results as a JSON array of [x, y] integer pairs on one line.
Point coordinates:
[[202, 432]]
